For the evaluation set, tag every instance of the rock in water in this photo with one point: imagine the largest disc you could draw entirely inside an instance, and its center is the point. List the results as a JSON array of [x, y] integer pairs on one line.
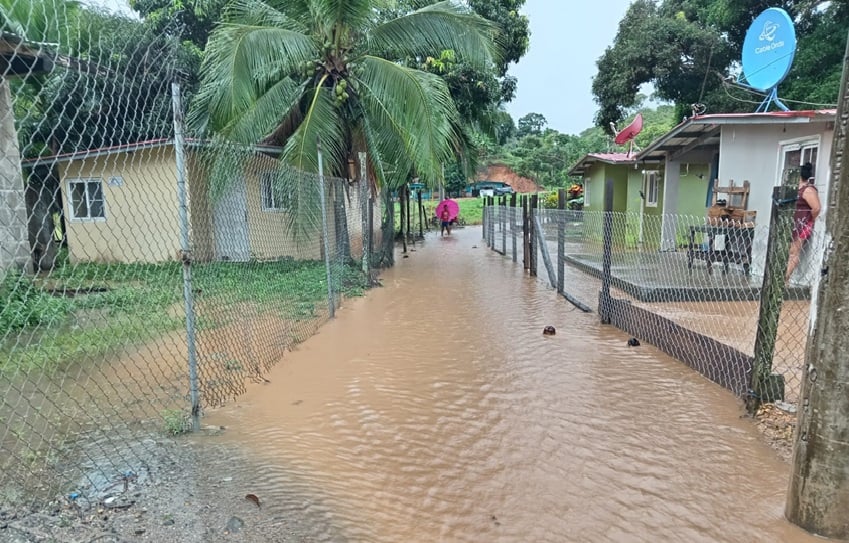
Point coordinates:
[[633, 342], [549, 331]]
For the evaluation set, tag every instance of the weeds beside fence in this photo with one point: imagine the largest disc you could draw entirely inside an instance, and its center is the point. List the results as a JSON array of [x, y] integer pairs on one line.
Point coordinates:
[[145, 273], [713, 298]]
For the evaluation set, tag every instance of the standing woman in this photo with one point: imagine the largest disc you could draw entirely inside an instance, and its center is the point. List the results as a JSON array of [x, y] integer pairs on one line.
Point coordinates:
[[807, 210]]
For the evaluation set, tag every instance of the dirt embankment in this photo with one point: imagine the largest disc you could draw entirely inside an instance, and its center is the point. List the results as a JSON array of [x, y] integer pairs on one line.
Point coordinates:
[[503, 174]]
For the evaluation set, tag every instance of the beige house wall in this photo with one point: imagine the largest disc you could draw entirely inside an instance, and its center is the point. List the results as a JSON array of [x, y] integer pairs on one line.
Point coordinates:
[[141, 221], [142, 216], [202, 230]]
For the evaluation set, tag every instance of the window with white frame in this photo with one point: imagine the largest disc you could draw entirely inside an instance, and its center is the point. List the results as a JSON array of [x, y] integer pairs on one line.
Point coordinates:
[[275, 197], [85, 199], [586, 186], [794, 155], [651, 182]]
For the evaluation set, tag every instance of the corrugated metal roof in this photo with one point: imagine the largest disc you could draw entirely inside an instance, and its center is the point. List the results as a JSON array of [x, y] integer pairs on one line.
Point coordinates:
[[126, 148], [605, 158], [703, 130]]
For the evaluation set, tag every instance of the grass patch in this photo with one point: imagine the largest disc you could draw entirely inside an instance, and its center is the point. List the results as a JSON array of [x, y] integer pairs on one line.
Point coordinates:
[[471, 210], [85, 311]]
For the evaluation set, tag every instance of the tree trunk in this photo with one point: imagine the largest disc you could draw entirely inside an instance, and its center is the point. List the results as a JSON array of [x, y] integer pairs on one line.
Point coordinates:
[[340, 220], [818, 499], [42, 200]]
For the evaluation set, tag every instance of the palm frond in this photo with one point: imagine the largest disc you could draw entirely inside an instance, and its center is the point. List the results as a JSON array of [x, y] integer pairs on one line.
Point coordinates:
[[416, 111], [435, 28], [342, 13], [241, 62], [321, 123], [264, 14], [266, 114]]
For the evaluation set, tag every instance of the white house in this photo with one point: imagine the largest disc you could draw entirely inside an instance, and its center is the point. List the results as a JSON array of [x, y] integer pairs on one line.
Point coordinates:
[[761, 148]]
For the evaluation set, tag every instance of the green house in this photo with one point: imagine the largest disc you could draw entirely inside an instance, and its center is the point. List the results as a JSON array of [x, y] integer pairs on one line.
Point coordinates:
[[639, 191]]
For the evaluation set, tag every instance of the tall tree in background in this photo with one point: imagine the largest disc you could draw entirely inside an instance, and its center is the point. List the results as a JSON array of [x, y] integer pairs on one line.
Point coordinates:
[[531, 124], [685, 48]]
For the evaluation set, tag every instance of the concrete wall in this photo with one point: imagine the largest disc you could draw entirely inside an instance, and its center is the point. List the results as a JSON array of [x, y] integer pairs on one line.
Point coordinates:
[[14, 243]]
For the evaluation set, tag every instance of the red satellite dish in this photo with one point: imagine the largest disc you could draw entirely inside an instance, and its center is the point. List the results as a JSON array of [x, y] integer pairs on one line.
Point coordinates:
[[630, 132]]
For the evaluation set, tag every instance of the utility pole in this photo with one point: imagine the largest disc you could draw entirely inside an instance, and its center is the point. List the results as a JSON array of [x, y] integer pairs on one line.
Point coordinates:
[[818, 499]]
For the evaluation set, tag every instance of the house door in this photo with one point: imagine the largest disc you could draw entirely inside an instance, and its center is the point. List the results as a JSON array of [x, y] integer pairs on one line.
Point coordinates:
[[231, 224], [793, 155]]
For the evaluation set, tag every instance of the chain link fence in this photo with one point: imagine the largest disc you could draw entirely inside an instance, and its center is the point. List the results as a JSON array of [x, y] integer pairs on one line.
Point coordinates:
[[145, 273], [709, 292]]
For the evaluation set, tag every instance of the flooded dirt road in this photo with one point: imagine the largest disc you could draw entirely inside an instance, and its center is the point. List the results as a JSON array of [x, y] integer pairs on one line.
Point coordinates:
[[435, 410]]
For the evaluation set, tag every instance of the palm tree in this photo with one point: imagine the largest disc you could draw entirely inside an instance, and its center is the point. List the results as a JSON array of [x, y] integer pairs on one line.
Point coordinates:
[[291, 72]]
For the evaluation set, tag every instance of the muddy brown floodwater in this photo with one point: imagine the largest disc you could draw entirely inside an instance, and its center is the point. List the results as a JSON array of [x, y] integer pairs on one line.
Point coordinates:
[[435, 410]]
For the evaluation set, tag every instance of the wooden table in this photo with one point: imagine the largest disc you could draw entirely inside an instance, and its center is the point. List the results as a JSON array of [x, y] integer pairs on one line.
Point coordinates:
[[737, 249]]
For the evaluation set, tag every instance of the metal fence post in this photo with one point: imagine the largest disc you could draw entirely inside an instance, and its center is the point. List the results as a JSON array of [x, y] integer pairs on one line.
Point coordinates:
[[532, 241], [766, 387], [606, 259], [561, 240], [503, 216], [512, 217], [331, 305], [526, 240], [185, 255]]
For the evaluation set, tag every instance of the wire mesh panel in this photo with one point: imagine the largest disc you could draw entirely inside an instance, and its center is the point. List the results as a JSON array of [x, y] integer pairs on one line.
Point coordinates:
[[145, 273], [695, 287]]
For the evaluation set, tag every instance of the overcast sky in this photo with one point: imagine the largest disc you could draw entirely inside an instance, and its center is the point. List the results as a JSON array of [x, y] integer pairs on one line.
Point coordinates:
[[555, 76]]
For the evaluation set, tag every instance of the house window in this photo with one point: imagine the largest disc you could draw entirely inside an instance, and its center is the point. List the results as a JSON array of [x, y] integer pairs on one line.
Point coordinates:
[[794, 155], [651, 181], [587, 193], [85, 199], [275, 197]]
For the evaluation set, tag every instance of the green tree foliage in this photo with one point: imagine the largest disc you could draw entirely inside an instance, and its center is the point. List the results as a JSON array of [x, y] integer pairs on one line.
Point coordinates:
[[546, 156], [531, 124], [291, 73], [190, 20], [687, 47]]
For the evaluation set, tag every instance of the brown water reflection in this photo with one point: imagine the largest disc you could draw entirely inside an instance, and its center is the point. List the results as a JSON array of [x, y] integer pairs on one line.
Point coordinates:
[[435, 410]]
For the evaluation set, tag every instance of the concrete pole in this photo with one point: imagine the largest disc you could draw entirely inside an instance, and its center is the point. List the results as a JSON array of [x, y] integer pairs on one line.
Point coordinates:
[[14, 241], [818, 499], [669, 220]]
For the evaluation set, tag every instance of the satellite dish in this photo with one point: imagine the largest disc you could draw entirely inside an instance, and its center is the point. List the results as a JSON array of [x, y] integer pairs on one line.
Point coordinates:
[[627, 134], [768, 51]]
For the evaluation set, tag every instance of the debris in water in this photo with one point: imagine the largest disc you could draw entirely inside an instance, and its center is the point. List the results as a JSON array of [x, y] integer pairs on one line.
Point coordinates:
[[633, 342], [549, 331], [253, 498]]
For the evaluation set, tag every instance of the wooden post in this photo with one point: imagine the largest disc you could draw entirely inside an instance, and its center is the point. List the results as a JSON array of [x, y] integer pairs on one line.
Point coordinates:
[[504, 225], [526, 240], [561, 240], [607, 253], [402, 198], [513, 224], [421, 213], [764, 386], [819, 485], [532, 245], [409, 215], [492, 222], [484, 219]]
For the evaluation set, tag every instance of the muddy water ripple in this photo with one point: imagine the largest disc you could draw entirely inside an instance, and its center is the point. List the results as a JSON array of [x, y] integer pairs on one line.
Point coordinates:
[[435, 410]]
